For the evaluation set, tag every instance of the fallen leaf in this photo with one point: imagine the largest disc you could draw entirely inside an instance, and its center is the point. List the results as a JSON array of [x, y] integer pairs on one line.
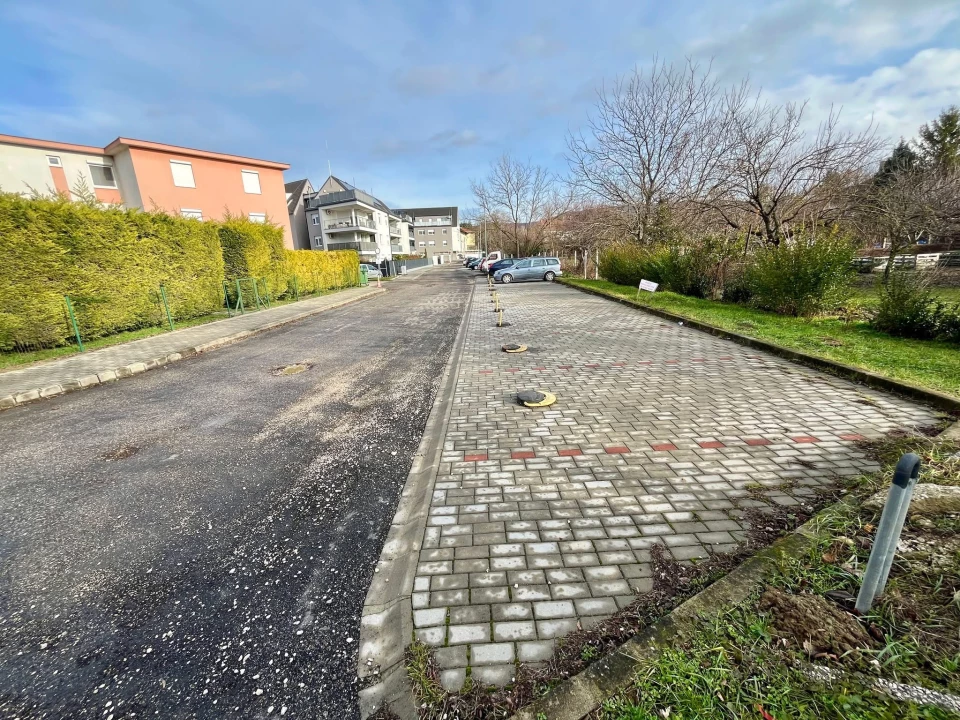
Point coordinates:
[[765, 714]]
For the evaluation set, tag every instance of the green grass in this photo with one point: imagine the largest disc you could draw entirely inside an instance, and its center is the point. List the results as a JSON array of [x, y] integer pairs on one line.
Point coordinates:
[[929, 364], [16, 360]]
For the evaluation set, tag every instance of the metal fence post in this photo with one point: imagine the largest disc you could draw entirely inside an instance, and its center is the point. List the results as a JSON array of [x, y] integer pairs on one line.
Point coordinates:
[[226, 298], [239, 297], [888, 532], [166, 305], [73, 321]]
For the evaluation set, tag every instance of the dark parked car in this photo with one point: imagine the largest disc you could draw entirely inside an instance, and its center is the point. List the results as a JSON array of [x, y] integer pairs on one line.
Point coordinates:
[[503, 264], [472, 263]]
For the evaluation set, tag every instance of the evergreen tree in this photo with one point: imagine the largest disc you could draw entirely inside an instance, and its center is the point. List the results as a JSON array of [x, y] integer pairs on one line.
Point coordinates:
[[902, 159], [940, 140]]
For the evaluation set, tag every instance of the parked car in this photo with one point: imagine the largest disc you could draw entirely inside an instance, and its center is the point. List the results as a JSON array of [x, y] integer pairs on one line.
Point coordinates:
[[372, 270], [489, 260], [530, 269], [472, 263], [503, 264]]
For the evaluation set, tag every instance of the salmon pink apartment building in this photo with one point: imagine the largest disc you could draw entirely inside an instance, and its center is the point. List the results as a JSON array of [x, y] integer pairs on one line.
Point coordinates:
[[149, 176]]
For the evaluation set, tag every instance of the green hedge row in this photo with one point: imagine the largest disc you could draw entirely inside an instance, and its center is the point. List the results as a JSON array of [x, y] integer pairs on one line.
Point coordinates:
[[111, 263]]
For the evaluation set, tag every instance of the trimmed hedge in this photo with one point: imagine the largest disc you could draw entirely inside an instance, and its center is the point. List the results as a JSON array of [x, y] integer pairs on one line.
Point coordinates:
[[317, 271], [110, 262]]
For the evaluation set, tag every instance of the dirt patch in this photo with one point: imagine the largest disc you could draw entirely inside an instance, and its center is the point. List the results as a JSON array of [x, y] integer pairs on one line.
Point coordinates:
[[815, 624], [294, 369], [121, 453]]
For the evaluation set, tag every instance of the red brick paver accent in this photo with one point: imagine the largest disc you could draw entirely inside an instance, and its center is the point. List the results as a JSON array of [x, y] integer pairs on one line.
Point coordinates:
[[476, 457], [852, 436], [709, 444], [486, 372], [757, 441], [616, 449], [805, 439], [522, 454], [663, 446], [571, 452]]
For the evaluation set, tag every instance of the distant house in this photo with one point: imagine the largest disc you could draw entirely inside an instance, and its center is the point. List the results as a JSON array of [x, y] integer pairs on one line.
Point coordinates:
[[436, 231], [342, 217], [296, 209], [149, 175]]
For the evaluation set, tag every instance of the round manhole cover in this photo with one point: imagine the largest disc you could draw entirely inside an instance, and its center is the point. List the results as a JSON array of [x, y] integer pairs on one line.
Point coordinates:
[[536, 398], [514, 348]]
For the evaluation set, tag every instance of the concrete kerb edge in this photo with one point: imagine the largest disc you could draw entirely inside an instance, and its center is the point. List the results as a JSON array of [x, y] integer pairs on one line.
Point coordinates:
[[104, 376], [390, 639], [585, 692], [933, 398]]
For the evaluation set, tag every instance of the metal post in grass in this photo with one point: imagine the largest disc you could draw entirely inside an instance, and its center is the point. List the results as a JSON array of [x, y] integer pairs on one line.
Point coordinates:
[[256, 294], [239, 297], [166, 305], [73, 321], [226, 298], [888, 532]]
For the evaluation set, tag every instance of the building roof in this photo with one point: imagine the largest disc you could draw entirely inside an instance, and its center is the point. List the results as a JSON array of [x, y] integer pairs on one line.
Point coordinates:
[[50, 145], [348, 194], [294, 192], [453, 212], [122, 143]]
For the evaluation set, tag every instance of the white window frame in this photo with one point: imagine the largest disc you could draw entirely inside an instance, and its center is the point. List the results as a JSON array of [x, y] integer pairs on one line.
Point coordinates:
[[444, 231], [52, 158], [444, 242], [316, 219], [432, 242], [257, 217], [431, 232], [181, 163], [103, 165], [191, 213], [250, 176], [423, 243]]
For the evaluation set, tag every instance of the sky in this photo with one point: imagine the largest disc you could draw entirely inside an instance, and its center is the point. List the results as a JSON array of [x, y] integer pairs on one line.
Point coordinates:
[[412, 99]]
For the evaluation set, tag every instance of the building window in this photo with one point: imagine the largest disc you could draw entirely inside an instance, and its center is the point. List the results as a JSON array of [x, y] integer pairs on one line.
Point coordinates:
[[421, 232], [431, 232], [195, 214], [54, 161], [316, 219], [444, 231], [433, 242], [423, 243], [444, 242], [251, 182], [258, 217], [102, 176], [182, 174]]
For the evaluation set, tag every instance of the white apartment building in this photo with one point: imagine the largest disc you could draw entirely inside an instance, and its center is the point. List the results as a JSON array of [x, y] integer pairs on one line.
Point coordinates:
[[436, 232], [342, 217]]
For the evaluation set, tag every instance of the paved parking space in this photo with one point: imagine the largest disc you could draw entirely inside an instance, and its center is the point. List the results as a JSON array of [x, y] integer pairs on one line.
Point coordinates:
[[543, 519]]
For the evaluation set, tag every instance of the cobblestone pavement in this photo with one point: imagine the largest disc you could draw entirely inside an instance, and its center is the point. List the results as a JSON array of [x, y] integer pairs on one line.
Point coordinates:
[[98, 366], [543, 519]]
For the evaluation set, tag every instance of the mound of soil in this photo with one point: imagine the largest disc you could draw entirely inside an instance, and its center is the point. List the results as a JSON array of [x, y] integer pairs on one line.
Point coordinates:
[[813, 623]]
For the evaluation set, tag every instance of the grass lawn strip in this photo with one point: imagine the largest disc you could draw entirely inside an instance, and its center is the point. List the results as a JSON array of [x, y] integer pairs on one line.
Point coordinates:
[[928, 364]]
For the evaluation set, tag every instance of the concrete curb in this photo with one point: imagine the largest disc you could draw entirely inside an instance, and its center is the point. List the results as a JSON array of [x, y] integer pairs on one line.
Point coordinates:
[[585, 692], [105, 376], [386, 624], [865, 377]]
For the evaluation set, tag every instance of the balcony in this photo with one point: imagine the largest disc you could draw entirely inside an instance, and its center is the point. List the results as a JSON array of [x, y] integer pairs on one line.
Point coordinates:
[[395, 231], [344, 224], [396, 249], [364, 248]]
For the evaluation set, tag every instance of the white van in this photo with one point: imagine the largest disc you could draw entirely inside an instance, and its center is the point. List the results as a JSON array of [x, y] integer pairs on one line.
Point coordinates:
[[489, 260]]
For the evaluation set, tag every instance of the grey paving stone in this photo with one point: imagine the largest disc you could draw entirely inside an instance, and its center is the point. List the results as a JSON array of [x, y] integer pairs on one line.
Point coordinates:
[[533, 652], [491, 654], [426, 618], [493, 674], [554, 609], [451, 657], [453, 680], [460, 634], [512, 631]]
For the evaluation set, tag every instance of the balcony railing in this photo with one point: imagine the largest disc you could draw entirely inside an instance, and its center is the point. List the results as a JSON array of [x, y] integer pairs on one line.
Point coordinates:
[[348, 223], [434, 222], [360, 247], [395, 231]]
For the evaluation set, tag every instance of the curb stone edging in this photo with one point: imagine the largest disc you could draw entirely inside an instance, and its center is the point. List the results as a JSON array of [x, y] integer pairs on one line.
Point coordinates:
[[386, 623], [105, 376], [848, 372], [583, 693]]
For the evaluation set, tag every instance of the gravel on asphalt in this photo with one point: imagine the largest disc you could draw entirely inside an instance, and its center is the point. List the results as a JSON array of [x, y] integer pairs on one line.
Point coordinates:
[[198, 541]]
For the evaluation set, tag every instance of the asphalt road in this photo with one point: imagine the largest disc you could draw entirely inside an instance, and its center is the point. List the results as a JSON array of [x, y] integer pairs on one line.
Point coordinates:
[[197, 541]]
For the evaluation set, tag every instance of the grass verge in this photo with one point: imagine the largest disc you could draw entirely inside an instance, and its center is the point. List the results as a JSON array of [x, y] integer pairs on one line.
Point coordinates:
[[16, 360], [928, 364], [796, 650]]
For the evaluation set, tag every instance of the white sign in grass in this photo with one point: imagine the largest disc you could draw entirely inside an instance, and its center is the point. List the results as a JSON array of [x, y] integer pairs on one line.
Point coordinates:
[[648, 285]]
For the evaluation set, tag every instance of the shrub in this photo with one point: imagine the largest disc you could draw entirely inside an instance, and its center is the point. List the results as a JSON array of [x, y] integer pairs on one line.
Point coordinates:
[[802, 276], [254, 250], [909, 309], [317, 270], [110, 262], [629, 264], [700, 268]]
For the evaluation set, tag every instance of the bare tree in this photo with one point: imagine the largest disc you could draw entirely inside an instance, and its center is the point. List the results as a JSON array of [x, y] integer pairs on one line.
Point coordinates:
[[909, 204], [585, 230], [521, 203], [774, 173], [655, 137]]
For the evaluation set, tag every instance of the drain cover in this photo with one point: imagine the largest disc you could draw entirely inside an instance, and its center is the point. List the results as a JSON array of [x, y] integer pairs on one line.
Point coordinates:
[[514, 348]]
